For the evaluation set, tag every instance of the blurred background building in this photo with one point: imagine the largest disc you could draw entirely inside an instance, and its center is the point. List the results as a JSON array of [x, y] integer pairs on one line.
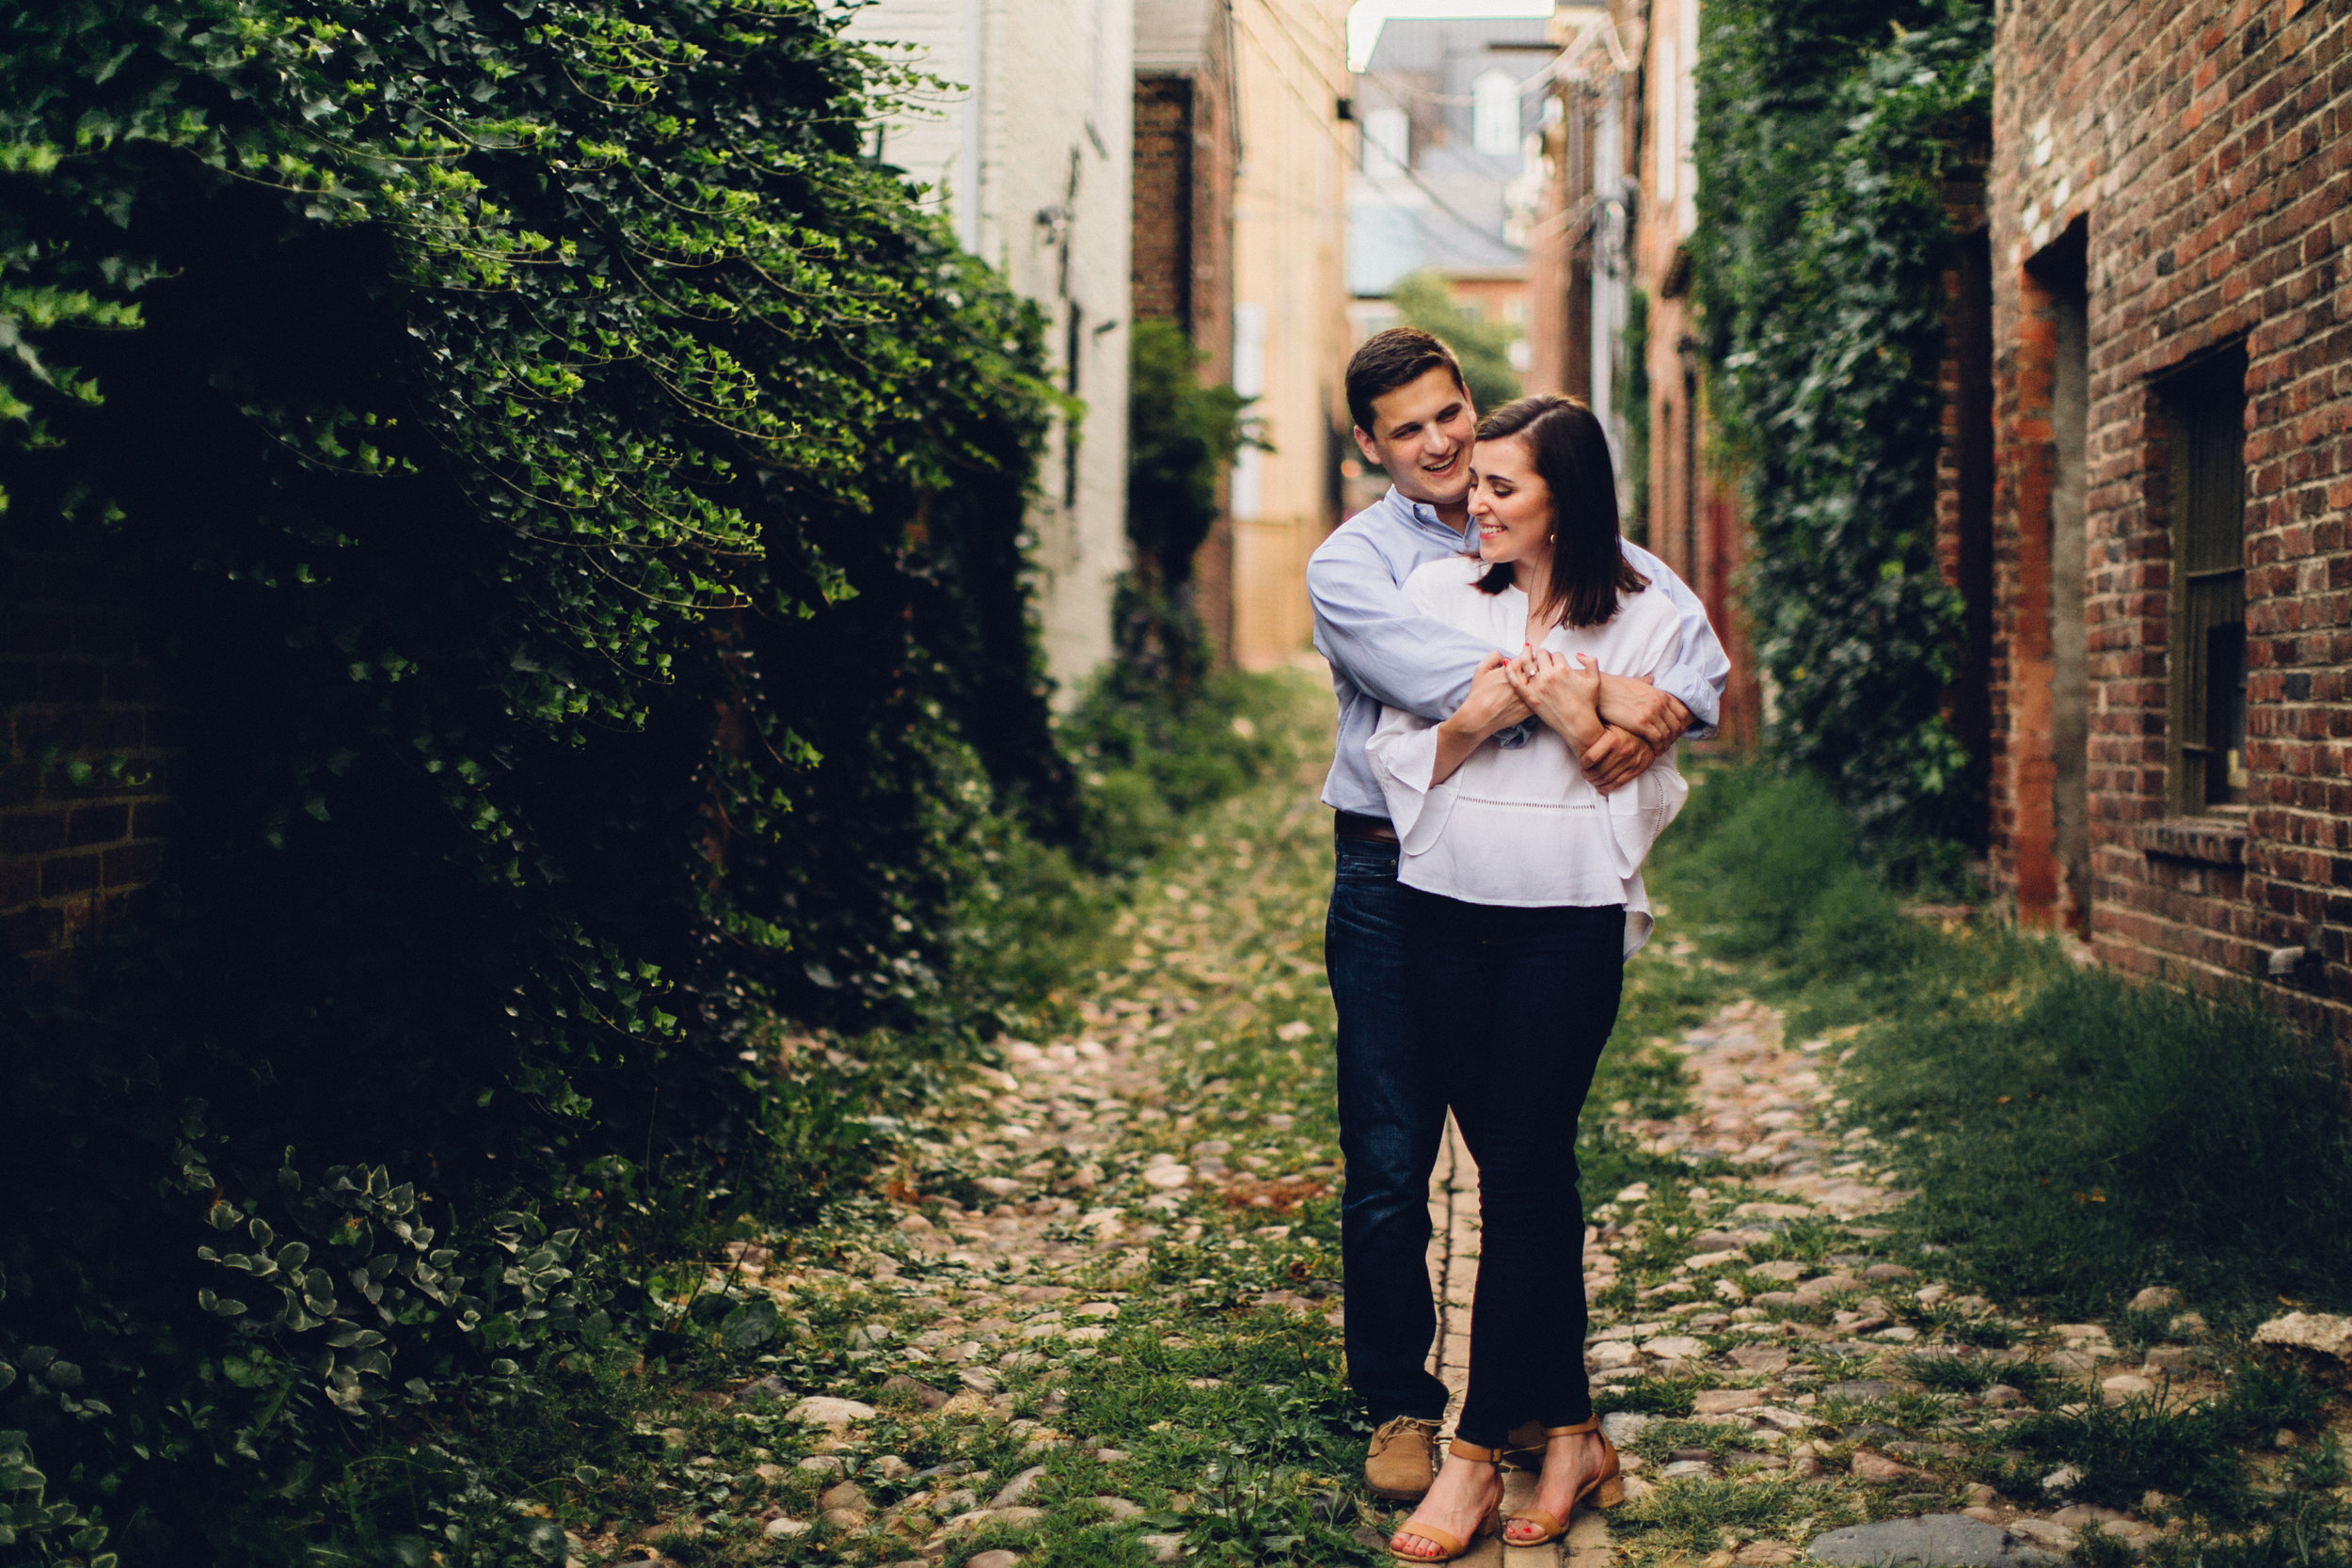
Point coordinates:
[[1029, 155], [1290, 312], [1178, 160], [1189, 129], [1448, 178]]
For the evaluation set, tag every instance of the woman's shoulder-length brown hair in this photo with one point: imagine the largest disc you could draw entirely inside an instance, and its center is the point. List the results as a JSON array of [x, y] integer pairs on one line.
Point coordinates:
[[1588, 566]]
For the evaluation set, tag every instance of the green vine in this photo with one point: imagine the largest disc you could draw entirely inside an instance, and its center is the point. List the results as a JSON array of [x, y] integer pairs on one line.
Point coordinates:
[[1632, 398], [1825, 133], [580, 495], [1182, 436]]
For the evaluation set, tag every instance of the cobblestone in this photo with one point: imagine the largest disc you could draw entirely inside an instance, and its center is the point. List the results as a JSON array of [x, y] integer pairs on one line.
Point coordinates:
[[1184, 1126]]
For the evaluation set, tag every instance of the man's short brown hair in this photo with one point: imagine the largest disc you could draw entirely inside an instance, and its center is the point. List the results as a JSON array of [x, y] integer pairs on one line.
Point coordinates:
[[1391, 359]]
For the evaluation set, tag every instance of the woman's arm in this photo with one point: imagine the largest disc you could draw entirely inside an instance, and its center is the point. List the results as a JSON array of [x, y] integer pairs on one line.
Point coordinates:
[[1492, 705]]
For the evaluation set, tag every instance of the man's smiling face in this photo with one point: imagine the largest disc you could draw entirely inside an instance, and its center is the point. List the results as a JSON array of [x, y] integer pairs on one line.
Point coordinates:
[[1422, 434]]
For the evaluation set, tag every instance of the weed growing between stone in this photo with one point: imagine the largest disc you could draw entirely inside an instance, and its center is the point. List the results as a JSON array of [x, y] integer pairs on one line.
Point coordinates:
[[2063, 1141], [2072, 1136], [1084, 1309]]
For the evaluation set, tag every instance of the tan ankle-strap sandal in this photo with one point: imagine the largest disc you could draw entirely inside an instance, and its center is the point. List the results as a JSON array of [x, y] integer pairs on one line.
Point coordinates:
[[1450, 1546], [1603, 1490]]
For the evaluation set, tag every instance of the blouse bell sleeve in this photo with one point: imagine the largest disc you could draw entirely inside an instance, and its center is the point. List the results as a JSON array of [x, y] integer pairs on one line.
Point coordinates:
[[1639, 812], [1403, 752]]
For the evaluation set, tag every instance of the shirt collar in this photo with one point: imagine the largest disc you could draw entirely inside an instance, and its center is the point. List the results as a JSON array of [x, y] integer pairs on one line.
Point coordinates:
[[1424, 514]]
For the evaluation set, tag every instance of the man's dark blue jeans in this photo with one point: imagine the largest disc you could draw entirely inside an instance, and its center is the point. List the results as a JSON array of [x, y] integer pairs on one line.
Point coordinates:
[[1391, 1121]]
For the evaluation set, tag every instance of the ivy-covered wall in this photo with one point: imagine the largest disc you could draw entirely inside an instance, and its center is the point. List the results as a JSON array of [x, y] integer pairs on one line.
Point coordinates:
[[578, 499], [1826, 130]]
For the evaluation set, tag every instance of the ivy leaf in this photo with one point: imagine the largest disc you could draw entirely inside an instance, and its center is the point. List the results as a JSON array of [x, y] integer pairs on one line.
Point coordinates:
[[748, 1326]]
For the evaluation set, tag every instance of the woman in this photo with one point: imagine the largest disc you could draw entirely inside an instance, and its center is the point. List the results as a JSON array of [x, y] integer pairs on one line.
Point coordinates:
[[1529, 902]]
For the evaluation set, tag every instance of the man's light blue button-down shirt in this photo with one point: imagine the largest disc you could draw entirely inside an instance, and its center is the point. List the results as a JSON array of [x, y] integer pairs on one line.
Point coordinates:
[[1385, 654]]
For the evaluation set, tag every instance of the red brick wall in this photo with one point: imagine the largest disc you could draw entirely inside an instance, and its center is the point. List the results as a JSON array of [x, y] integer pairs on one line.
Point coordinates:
[[1161, 251], [1695, 523], [80, 683], [1187, 153], [2208, 146], [2023, 830]]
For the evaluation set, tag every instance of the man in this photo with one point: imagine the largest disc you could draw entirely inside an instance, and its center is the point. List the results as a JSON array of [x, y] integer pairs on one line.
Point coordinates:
[[1414, 419]]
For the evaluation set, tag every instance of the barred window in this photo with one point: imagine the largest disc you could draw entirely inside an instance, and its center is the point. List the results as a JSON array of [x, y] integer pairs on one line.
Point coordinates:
[[2205, 413]]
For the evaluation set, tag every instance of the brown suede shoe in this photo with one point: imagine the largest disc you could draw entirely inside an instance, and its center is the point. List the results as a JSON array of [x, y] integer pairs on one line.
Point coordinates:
[[1403, 1460]]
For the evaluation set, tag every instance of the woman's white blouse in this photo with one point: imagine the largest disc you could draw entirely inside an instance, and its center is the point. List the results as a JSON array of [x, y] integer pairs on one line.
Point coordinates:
[[1520, 825]]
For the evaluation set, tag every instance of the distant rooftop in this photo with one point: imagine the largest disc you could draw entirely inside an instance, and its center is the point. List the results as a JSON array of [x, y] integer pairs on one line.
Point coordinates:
[[1173, 34], [1366, 18], [1456, 99]]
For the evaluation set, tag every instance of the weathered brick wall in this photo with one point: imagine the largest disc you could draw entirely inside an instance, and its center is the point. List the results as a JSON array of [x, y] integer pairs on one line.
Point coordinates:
[[1161, 257], [1181, 257], [81, 689], [2206, 147]]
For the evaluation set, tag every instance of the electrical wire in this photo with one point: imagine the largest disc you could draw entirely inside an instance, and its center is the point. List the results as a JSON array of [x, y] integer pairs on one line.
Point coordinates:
[[1354, 154]]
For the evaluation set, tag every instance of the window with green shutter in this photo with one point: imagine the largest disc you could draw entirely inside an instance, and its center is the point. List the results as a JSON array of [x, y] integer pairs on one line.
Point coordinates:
[[2205, 737]]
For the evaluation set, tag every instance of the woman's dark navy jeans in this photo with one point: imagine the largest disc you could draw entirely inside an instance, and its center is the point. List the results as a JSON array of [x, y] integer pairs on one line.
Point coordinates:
[[1516, 1004]]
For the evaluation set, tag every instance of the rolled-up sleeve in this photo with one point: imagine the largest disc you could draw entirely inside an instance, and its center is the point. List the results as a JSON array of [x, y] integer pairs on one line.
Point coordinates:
[[1696, 674], [1374, 636]]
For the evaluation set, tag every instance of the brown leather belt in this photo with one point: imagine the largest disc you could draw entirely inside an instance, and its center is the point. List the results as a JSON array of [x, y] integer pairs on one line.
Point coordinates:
[[1376, 829]]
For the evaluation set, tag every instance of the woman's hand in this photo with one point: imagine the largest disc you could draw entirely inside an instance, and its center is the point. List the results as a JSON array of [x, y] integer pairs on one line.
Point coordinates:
[[1563, 692], [1491, 705]]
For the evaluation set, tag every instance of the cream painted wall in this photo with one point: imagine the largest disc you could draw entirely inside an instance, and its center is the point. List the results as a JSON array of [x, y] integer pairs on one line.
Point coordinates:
[[1032, 158], [1291, 302]]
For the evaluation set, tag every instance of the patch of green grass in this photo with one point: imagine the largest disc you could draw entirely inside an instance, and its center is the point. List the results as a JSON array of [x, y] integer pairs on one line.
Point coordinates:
[[2266, 1395], [2100, 1136], [1147, 761], [1652, 1394], [2162, 1443], [1951, 1375], [1658, 1441], [1694, 1516], [1247, 1513], [2309, 1532], [1983, 1333], [2073, 1136], [1804, 1241], [2037, 1380]]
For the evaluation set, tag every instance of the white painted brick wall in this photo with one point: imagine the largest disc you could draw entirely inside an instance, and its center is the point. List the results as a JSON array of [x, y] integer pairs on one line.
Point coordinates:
[[1046, 102]]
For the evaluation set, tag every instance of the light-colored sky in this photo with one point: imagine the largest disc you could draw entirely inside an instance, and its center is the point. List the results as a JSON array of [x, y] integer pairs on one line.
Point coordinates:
[[1365, 17]]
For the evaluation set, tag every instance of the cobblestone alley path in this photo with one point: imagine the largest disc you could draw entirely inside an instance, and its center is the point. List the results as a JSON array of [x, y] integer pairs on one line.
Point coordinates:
[[1090, 1319]]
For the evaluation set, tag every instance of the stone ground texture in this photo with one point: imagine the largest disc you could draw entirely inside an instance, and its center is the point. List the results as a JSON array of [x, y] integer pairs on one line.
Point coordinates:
[[1096, 1302]]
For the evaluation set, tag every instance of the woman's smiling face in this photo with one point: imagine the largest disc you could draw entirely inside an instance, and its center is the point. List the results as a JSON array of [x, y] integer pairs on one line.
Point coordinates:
[[1510, 505]]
